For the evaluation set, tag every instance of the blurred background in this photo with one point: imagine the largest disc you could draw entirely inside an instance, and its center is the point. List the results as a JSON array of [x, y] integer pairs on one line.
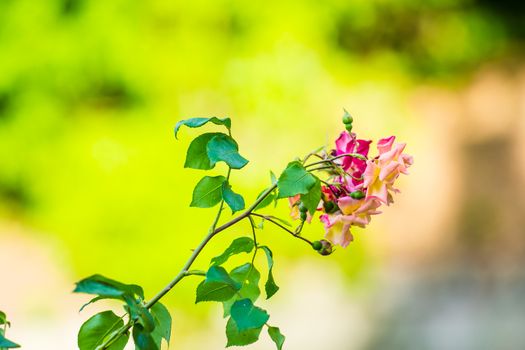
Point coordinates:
[[92, 179]]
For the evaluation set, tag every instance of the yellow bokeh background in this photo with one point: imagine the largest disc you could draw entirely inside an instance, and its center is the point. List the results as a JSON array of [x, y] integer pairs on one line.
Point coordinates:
[[92, 179]]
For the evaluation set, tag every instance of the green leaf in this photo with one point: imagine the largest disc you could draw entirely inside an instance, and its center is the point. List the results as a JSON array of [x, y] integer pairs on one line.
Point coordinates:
[[146, 319], [248, 316], [218, 286], [273, 178], [313, 197], [234, 200], [240, 338], [223, 148], [98, 328], [272, 196], [266, 201], [6, 343], [208, 192], [248, 276], [95, 299], [143, 339], [133, 307], [295, 180], [239, 245], [197, 154], [107, 288], [270, 286], [260, 225], [198, 122], [163, 323], [277, 337]]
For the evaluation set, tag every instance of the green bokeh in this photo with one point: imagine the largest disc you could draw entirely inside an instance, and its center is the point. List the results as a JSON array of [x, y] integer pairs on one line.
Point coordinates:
[[90, 92]]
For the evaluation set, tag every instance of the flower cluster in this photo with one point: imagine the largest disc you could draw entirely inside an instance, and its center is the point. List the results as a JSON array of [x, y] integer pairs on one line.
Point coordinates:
[[358, 184]]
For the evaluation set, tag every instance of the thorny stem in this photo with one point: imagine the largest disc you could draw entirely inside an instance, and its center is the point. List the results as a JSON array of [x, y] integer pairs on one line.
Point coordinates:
[[185, 269]]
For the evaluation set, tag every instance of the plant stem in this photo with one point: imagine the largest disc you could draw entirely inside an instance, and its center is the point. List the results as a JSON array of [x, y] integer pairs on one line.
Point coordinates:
[[185, 269], [201, 246], [282, 226], [330, 160], [326, 167], [195, 273]]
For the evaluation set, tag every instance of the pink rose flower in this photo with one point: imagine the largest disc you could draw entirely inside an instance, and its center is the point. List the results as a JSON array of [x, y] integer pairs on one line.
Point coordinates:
[[381, 172], [356, 190], [337, 231], [353, 212]]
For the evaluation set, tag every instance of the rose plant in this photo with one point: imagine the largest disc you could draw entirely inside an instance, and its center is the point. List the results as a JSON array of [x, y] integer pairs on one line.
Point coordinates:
[[345, 185]]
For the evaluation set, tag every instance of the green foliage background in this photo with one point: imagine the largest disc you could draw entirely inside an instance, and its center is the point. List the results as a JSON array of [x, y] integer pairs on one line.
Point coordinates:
[[90, 92]]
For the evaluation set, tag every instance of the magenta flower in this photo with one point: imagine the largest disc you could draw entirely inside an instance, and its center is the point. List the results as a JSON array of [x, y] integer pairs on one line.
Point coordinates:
[[357, 186], [347, 143]]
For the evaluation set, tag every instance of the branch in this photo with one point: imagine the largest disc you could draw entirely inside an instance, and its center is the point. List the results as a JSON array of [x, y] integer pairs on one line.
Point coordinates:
[[283, 227], [330, 160], [185, 269]]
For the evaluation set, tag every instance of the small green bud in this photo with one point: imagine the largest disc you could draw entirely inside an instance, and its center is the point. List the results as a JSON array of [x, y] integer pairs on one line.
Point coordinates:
[[302, 208], [326, 247], [357, 195], [347, 118], [348, 127], [303, 216], [317, 245]]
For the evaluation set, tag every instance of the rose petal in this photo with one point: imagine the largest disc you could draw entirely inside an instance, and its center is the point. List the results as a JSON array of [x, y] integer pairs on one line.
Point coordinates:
[[385, 144]]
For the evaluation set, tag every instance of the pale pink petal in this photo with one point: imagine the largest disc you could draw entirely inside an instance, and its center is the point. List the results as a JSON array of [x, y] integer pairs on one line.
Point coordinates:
[[325, 219], [369, 204], [388, 170], [385, 144], [294, 209], [370, 174], [355, 220], [378, 190], [406, 161], [348, 204], [345, 238], [338, 232], [392, 155]]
